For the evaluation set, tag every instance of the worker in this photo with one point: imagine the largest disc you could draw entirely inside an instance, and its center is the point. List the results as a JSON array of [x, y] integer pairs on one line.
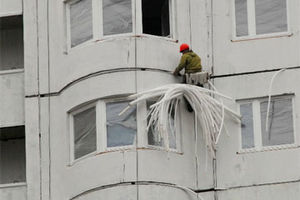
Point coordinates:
[[190, 62]]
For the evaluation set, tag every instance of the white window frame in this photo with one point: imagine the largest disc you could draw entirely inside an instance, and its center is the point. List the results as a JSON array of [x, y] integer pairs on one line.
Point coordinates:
[[172, 8], [178, 149], [252, 24], [101, 133], [257, 134], [137, 24], [71, 129]]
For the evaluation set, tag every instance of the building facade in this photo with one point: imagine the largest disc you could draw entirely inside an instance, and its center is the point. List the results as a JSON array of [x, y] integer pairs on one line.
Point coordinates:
[[68, 66]]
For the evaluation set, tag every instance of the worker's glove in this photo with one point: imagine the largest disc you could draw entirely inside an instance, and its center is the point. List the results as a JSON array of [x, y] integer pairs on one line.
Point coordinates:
[[176, 73]]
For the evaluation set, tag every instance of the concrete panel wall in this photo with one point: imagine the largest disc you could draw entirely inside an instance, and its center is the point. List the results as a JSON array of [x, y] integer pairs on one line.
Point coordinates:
[[288, 191], [235, 169], [256, 54], [13, 192], [10, 7], [12, 99]]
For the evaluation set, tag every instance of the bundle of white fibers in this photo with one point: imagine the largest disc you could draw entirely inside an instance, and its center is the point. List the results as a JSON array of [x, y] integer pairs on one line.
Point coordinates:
[[210, 112]]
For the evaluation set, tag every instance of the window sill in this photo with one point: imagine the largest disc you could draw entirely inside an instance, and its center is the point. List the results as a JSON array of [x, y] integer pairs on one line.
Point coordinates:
[[122, 149], [12, 185], [260, 37], [269, 148], [116, 38], [11, 71]]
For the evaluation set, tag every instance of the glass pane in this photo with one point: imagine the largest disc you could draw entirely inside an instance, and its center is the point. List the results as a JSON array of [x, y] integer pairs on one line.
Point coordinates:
[[12, 155], [280, 122], [271, 16], [11, 43], [117, 17], [121, 130], [154, 138], [85, 132], [172, 129], [81, 22], [247, 126], [241, 17]]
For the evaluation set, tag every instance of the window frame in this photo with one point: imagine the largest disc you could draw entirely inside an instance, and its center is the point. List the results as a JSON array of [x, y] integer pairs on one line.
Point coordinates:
[[72, 132], [97, 13], [178, 148], [101, 132], [252, 24], [257, 123]]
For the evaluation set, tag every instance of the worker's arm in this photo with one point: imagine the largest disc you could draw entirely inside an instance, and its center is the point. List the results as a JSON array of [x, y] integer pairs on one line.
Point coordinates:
[[181, 65]]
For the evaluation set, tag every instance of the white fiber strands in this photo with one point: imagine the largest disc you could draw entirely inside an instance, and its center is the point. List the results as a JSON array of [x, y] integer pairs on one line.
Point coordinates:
[[209, 112]]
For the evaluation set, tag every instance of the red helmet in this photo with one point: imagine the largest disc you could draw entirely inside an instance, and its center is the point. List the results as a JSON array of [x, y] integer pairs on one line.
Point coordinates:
[[184, 47]]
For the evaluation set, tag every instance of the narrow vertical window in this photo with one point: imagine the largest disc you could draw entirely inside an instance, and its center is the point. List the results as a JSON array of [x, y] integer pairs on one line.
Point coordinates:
[[280, 122], [85, 132], [247, 126], [156, 17], [11, 43], [12, 155], [157, 139], [117, 17], [121, 130], [241, 17], [81, 22], [271, 16]]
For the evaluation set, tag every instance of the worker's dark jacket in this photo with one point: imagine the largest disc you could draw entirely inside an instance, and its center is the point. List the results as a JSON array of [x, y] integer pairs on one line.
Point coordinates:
[[191, 62]]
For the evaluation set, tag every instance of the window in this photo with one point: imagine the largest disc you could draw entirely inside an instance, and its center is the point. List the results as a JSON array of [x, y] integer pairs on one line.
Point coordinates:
[[280, 122], [156, 139], [11, 43], [85, 132], [81, 21], [12, 155], [96, 19], [156, 17], [259, 17], [98, 127], [120, 130], [117, 17]]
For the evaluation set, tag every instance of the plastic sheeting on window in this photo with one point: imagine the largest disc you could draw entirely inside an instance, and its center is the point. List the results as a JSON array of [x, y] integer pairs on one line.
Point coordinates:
[[11, 43], [117, 17], [271, 16], [156, 139], [121, 130], [280, 122], [247, 126], [85, 132], [241, 17], [81, 19]]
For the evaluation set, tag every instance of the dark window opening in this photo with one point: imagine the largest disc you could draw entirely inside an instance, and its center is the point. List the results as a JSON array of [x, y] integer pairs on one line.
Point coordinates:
[[12, 155], [11, 43], [156, 17]]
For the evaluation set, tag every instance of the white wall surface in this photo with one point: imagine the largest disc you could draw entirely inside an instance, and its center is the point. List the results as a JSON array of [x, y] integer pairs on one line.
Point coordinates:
[[252, 55], [287, 191], [12, 99], [259, 167], [13, 192], [10, 7]]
